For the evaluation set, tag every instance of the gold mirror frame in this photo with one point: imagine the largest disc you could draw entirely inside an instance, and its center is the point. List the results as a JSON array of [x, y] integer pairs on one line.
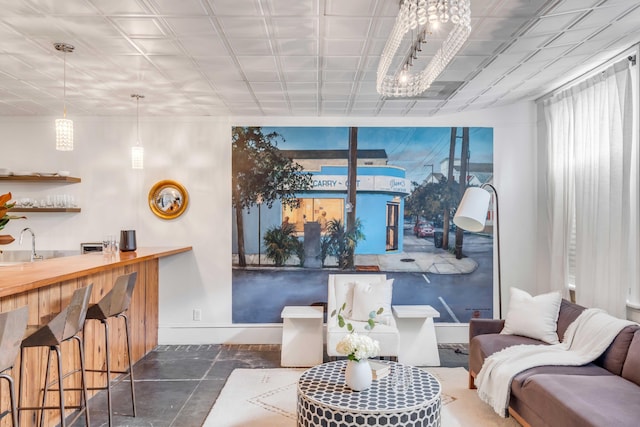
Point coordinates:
[[168, 199]]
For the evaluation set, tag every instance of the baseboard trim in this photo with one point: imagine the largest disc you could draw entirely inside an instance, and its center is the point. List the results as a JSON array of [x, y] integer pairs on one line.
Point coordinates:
[[269, 333]]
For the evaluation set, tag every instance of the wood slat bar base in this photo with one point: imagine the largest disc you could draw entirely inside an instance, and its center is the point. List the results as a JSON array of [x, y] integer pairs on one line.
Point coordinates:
[[47, 300]]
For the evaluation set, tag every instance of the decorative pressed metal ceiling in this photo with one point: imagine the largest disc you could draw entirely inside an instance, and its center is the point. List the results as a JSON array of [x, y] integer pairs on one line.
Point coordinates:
[[288, 57]]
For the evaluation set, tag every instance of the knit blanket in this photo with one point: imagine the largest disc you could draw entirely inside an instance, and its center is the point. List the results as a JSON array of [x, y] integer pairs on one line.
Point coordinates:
[[584, 341]]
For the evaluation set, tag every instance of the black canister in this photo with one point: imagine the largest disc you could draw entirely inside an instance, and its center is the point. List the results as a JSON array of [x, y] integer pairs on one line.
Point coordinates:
[[128, 240]]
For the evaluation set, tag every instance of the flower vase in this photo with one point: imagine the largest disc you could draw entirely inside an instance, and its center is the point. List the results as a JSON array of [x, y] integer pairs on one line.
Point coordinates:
[[358, 375]]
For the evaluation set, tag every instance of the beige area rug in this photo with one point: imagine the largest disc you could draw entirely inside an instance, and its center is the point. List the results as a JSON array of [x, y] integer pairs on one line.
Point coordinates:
[[267, 398]]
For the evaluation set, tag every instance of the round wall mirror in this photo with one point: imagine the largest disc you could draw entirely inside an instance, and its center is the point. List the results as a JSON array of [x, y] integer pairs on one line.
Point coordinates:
[[168, 199]]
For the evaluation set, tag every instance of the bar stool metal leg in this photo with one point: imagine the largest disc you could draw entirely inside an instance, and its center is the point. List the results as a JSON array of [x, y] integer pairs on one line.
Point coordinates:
[[133, 393], [63, 422], [114, 305], [21, 376], [108, 362], [83, 375], [12, 399]]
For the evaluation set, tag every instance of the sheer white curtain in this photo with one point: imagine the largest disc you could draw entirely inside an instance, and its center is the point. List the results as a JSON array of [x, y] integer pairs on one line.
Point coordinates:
[[592, 189]]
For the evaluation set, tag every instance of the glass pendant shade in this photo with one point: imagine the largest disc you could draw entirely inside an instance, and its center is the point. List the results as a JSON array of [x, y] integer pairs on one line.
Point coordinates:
[[137, 151], [137, 157], [64, 135]]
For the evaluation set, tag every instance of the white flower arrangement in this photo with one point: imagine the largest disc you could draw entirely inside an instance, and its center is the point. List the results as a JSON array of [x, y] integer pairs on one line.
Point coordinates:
[[358, 347], [355, 346]]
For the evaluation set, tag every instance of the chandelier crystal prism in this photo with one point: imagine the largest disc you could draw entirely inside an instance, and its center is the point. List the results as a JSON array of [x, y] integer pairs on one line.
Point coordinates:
[[137, 151], [64, 126], [422, 18]]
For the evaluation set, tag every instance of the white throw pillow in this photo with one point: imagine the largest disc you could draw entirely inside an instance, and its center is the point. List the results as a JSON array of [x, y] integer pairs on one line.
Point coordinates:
[[343, 293], [533, 317], [368, 297]]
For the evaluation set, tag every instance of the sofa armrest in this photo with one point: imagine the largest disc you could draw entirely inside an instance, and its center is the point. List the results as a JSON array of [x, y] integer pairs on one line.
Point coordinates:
[[484, 326]]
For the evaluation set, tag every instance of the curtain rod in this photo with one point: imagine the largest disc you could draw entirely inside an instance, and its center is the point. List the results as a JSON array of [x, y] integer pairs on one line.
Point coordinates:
[[630, 53]]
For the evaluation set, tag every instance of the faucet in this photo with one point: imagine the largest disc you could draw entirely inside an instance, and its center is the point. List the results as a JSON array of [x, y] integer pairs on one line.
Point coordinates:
[[34, 255]]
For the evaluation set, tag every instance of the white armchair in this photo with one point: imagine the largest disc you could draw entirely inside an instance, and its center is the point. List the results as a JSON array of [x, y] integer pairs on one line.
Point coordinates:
[[362, 293]]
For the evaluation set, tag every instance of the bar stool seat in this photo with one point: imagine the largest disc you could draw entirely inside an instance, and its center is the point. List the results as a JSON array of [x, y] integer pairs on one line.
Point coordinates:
[[12, 327], [115, 305], [65, 326]]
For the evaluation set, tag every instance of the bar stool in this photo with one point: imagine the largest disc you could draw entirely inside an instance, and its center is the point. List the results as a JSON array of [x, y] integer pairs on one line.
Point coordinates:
[[63, 327], [12, 326], [114, 305]]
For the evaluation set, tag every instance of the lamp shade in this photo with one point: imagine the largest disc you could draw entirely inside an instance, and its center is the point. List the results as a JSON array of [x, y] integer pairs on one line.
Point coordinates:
[[472, 210], [137, 157], [64, 135]]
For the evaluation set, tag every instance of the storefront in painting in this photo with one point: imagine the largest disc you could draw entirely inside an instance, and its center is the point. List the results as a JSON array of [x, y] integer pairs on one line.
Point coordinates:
[[379, 196]]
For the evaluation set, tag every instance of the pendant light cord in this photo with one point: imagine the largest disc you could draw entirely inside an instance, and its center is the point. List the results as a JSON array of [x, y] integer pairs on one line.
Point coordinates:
[[138, 120], [64, 90]]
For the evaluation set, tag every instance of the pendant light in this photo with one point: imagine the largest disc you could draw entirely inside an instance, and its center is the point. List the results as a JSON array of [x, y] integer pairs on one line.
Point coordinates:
[[64, 126], [137, 151]]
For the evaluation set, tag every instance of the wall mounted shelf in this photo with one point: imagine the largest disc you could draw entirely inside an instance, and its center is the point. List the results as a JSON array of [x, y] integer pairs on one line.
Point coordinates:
[[53, 179], [38, 178], [45, 210]]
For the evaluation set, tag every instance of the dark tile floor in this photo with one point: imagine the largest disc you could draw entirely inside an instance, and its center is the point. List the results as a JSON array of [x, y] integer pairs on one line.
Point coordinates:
[[176, 386]]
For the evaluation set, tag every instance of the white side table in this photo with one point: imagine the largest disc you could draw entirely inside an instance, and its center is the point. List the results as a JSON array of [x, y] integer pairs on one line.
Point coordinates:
[[301, 336], [418, 345]]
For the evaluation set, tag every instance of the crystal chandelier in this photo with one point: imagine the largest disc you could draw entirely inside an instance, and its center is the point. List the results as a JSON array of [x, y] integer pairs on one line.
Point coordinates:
[[64, 126], [422, 17], [137, 151]]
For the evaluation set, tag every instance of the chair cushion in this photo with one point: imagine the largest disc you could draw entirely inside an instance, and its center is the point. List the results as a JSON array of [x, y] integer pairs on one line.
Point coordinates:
[[368, 297], [533, 317]]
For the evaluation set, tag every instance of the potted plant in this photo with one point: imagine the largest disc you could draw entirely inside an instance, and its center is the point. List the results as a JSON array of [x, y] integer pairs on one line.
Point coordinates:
[[5, 206]]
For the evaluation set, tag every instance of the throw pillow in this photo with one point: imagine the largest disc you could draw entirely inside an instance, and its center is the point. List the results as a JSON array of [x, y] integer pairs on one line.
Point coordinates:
[[533, 317], [343, 293], [368, 297]]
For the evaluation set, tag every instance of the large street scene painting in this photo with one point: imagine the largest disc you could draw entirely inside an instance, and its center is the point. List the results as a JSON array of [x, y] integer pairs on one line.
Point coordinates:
[[314, 201]]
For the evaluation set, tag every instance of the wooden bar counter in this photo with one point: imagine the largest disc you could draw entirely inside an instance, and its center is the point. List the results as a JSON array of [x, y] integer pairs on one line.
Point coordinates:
[[46, 287]]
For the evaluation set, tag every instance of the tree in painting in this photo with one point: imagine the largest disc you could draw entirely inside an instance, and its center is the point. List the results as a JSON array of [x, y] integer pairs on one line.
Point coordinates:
[[261, 173], [432, 200]]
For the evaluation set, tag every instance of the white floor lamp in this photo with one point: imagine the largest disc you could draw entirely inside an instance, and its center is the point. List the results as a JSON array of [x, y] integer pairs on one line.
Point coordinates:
[[471, 215]]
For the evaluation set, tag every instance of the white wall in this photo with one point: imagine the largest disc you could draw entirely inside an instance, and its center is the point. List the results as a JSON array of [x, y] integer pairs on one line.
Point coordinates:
[[197, 153]]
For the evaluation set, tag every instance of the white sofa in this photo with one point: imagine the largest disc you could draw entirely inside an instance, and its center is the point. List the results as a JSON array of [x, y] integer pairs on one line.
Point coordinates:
[[341, 288]]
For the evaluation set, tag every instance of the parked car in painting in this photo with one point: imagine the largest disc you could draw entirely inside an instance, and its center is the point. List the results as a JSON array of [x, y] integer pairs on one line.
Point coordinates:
[[424, 229]]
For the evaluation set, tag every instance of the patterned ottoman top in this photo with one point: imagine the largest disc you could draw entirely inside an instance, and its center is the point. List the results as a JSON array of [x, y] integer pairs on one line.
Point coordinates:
[[325, 384]]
